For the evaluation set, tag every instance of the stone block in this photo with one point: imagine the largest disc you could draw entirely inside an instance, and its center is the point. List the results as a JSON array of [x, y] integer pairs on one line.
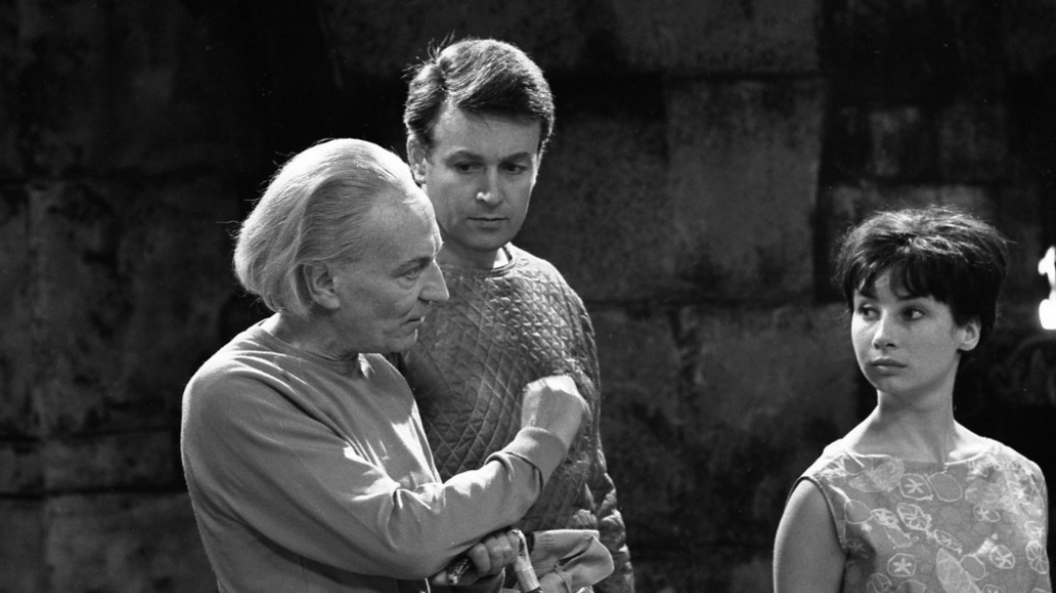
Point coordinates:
[[177, 268], [114, 461], [61, 74], [901, 142], [639, 361], [1019, 220], [129, 293], [759, 394], [744, 165], [10, 159], [21, 468], [765, 36], [890, 142], [695, 568], [973, 141], [766, 390], [1026, 31], [18, 417], [22, 566], [639, 379], [371, 38], [911, 48], [744, 365], [125, 543], [849, 205], [653, 470], [600, 211], [94, 77], [692, 37]]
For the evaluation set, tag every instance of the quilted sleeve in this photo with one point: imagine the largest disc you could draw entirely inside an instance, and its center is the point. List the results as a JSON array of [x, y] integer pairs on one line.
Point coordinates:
[[611, 529]]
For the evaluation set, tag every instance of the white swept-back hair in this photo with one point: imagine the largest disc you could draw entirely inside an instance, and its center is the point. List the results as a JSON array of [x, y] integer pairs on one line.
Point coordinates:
[[313, 211]]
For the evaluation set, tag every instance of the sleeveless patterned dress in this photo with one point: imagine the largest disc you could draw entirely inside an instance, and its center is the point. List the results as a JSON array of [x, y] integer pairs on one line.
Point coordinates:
[[973, 526]]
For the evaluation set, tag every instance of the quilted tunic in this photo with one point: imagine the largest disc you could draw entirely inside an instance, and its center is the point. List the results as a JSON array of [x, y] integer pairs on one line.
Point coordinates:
[[501, 329], [972, 526]]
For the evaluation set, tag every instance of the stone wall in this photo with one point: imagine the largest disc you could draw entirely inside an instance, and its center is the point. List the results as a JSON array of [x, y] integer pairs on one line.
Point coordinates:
[[126, 142], [706, 154]]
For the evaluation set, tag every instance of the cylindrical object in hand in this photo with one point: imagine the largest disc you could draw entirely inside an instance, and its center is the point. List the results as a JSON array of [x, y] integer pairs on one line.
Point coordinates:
[[522, 567]]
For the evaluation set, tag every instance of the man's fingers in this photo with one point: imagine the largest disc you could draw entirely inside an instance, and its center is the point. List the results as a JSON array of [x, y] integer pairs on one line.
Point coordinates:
[[494, 552], [481, 558]]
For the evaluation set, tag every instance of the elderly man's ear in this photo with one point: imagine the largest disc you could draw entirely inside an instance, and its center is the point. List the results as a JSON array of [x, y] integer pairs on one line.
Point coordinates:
[[416, 159], [321, 285]]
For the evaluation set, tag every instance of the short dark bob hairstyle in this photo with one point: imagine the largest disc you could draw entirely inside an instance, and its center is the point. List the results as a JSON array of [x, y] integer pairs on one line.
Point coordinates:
[[936, 251]]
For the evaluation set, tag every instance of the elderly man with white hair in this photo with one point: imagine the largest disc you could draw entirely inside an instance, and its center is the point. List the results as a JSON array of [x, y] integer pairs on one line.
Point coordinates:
[[303, 449]]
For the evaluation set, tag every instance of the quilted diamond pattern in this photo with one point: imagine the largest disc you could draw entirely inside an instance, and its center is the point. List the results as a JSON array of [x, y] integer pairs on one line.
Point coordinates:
[[500, 330]]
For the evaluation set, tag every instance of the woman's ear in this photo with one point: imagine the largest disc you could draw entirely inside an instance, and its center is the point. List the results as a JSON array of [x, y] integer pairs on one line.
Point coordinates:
[[320, 285], [970, 334]]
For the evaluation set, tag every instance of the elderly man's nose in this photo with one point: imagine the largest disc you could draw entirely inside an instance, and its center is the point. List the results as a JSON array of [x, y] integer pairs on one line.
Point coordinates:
[[435, 289]]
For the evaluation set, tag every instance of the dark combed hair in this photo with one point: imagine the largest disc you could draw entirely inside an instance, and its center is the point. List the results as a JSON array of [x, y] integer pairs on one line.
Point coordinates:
[[937, 251], [482, 76]]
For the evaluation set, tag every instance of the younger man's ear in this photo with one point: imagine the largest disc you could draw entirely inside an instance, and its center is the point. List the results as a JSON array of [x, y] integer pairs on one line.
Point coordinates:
[[320, 285], [416, 159]]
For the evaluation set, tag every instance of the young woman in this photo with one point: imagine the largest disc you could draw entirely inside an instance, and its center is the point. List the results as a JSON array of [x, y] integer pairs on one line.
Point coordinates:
[[910, 500]]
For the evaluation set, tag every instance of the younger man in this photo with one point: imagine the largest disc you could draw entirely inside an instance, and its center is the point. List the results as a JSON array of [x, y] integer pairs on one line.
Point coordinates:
[[478, 117]]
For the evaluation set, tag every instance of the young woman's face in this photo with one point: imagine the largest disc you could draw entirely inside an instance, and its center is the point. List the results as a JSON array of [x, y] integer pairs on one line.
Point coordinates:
[[908, 346]]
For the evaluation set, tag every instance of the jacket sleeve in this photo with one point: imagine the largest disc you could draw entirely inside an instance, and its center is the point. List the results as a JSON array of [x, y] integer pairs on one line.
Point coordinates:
[[612, 532], [252, 458]]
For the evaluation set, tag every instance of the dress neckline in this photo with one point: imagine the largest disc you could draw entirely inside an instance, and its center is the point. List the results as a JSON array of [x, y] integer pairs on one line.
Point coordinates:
[[989, 448]]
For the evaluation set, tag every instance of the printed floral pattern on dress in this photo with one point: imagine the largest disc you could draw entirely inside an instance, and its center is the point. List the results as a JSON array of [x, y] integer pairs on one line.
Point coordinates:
[[977, 526]]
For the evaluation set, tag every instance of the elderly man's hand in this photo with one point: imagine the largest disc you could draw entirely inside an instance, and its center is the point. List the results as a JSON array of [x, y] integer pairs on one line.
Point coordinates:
[[488, 557], [554, 403]]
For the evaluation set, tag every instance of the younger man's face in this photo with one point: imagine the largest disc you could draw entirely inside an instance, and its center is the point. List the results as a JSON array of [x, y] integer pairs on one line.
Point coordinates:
[[479, 177]]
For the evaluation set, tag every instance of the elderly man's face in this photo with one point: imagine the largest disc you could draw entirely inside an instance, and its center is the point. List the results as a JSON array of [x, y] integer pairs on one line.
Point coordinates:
[[385, 295]]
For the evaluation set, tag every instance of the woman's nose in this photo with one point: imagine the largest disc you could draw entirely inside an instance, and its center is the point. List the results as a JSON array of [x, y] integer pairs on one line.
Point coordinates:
[[883, 337]]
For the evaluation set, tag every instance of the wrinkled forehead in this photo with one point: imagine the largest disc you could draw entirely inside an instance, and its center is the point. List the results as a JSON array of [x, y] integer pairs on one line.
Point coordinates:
[[417, 201], [395, 223]]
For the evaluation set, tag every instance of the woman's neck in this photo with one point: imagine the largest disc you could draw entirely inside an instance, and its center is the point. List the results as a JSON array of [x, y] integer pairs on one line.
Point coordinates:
[[919, 432], [920, 435]]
